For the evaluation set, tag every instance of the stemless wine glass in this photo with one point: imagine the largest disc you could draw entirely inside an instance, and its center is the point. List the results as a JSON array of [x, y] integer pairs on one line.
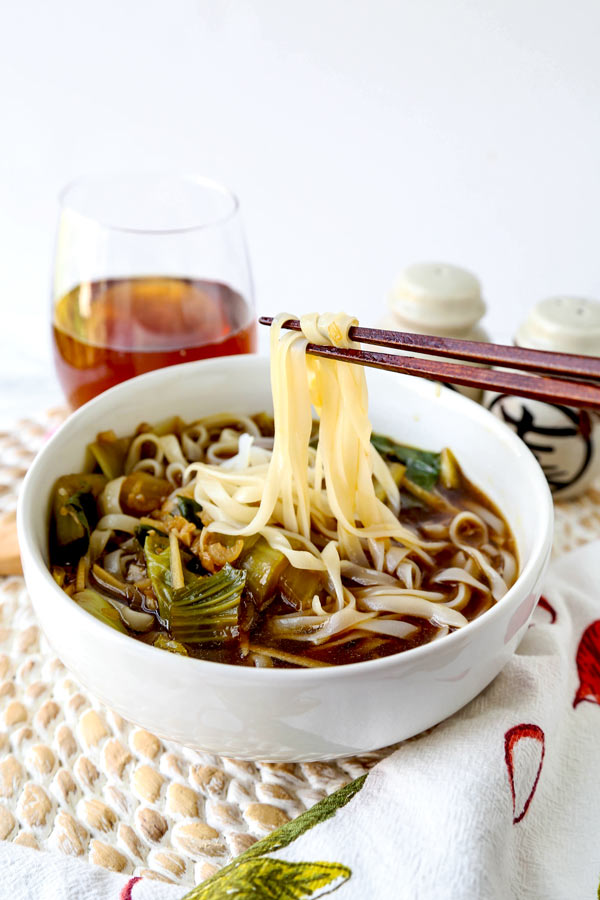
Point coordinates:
[[150, 270]]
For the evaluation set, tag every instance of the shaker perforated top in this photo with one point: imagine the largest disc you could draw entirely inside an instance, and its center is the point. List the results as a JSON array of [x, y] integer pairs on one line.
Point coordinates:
[[437, 298], [564, 324]]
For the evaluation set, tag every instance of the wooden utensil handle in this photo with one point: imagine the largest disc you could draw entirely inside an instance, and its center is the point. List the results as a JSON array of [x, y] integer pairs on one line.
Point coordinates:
[[10, 558]]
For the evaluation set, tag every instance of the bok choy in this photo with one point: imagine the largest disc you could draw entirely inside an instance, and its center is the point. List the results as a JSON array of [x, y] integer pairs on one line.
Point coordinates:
[[74, 514], [99, 607], [422, 466], [109, 453], [206, 608], [189, 509], [158, 565], [263, 566]]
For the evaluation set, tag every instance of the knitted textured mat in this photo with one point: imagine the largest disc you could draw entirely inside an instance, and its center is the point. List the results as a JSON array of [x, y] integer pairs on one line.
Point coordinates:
[[77, 778]]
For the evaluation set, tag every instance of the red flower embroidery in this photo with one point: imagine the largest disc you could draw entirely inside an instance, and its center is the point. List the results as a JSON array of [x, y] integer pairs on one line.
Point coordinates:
[[127, 888], [544, 604], [511, 739], [588, 665]]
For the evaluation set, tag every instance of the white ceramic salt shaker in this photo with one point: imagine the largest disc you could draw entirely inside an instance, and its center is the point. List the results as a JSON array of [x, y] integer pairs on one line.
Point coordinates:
[[440, 299], [565, 441]]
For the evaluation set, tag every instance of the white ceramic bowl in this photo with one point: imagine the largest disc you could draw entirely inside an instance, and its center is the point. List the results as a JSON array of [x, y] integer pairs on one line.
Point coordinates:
[[291, 714]]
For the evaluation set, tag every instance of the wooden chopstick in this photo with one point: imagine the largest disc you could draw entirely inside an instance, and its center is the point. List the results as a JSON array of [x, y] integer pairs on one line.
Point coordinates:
[[537, 387], [472, 351]]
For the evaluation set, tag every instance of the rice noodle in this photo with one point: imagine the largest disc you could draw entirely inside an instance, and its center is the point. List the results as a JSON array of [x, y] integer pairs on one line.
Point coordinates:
[[304, 661], [339, 395], [317, 629], [193, 440], [412, 605], [109, 498], [364, 576], [221, 421], [496, 582], [261, 660], [134, 454], [112, 562], [494, 521], [409, 574], [119, 522], [458, 575], [153, 466], [509, 569], [463, 595], [169, 444], [392, 627], [394, 556], [98, 540], [174, 473]]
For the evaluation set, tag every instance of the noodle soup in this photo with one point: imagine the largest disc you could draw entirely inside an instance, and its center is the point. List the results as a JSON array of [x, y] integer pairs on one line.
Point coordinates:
[[280, 542]]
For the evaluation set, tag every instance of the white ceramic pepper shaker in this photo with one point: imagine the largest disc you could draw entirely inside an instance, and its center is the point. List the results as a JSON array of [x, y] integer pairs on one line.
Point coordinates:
[[565, 441], [440, 299]]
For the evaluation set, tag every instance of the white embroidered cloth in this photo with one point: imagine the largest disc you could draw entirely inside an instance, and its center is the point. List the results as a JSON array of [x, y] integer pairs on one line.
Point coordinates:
[[501, 800]]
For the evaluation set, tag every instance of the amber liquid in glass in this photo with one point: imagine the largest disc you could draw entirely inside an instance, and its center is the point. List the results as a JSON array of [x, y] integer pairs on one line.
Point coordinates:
[[108, 331]]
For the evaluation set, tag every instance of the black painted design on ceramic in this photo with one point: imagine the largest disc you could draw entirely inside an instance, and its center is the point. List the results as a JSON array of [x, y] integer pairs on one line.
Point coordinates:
[[576, 425]]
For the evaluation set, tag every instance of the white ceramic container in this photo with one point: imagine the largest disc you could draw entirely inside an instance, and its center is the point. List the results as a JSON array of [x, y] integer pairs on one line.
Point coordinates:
[[440, 299], [291, 714], [565, 441]]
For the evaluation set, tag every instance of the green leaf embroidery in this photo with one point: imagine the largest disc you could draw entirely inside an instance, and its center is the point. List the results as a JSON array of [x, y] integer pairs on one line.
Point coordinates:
[[220, 882], [279, 839], [275, 879], [321, 811]]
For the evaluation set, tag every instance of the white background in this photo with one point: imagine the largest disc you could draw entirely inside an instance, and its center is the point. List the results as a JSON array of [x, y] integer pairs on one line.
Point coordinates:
[[360, 135]]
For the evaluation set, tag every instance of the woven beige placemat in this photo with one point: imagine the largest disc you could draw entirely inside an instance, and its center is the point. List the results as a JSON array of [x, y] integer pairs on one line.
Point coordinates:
[[77, 778]]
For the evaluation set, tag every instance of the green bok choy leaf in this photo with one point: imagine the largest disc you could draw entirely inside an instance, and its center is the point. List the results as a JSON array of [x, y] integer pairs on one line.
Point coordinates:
[[422, 466], [207, 607]]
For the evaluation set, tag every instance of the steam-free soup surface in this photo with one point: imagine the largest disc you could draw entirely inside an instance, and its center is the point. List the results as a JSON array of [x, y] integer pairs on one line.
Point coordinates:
[[133, 545]]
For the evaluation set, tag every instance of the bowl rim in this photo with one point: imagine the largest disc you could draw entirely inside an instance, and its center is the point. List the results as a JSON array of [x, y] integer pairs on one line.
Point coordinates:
[[32, 552]]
